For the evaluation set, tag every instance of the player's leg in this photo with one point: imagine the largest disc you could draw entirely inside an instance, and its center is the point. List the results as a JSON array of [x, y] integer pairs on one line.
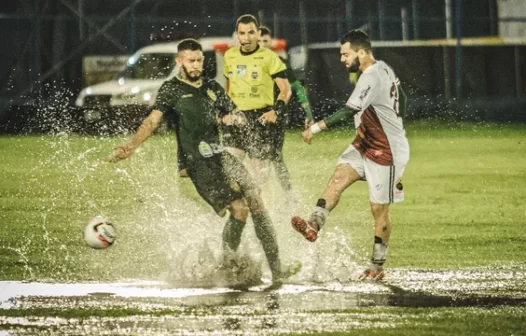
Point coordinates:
[[382, 232], [262, 221], [214, 186], [348, 170], [282, 173], [235, 224], [234, 141], [260, 170], [260, 149], [383, 190]]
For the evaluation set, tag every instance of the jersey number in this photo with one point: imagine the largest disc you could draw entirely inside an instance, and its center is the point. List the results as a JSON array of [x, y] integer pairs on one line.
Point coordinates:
[[394, 95]]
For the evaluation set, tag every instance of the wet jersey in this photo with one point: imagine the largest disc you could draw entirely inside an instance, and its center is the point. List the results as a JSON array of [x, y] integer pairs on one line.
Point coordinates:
[[250, 77], [195, 110], [380, 134]]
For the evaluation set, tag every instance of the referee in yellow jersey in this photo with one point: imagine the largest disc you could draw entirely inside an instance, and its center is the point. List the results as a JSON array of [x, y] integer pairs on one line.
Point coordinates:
[[251, 72]]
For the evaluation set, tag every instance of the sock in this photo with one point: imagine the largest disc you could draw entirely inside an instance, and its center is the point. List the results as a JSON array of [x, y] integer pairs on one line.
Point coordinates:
[[282, 174], [379, 254], [232, 233], [319, 214], [267, 236]]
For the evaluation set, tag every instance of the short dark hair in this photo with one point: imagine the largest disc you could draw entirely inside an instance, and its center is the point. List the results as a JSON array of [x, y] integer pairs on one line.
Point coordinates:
[[246, 19], [265, 31], [189, 44], [358, 40]]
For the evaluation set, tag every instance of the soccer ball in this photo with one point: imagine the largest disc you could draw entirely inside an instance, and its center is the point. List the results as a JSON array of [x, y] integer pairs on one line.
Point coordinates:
[[99, 233]]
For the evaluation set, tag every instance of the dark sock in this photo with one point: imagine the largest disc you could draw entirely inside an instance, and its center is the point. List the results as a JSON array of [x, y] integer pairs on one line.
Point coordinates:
[[232, 232], [282, 173], [267, 236], [321, 203]]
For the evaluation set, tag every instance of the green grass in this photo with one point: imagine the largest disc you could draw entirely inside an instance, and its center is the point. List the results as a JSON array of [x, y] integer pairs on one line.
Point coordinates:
[[465, 193], [445, 322]]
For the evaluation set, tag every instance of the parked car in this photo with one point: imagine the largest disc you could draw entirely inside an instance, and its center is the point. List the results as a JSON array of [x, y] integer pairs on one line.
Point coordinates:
[[118, 106]]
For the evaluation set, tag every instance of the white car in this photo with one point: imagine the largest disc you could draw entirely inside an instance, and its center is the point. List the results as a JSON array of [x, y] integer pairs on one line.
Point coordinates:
[[120, 105]]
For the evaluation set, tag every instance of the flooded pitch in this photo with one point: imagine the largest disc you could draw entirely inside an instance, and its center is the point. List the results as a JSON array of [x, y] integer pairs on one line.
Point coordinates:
[[153, 308]]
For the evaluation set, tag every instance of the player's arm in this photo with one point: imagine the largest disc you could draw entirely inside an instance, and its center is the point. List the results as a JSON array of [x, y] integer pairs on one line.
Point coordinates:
[[342, 115], [148, 126], [228, 112], [303, 99], [283, 98]]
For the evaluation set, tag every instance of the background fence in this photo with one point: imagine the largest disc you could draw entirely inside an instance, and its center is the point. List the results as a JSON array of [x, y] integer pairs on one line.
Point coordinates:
[[43, 42]]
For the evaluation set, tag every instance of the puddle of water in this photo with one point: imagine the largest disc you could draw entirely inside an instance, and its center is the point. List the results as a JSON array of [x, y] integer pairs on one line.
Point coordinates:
[[315, 308]]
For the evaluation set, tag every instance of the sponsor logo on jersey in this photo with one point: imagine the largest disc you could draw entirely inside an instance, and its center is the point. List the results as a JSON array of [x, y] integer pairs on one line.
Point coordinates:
[[255, 74], [254, 89], [241, 70], [235, 186], [208, 150], [259, 57], [211, 94]]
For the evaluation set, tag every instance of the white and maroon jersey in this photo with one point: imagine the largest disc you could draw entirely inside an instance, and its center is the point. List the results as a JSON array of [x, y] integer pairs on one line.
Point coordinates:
[[380, 134]]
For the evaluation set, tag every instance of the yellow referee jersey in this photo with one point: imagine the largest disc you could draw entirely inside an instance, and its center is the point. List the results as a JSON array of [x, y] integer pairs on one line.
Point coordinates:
[[251, 85]]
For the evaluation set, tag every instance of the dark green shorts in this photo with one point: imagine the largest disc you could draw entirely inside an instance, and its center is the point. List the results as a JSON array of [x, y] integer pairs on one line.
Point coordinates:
[[257, 140], [219, 180]]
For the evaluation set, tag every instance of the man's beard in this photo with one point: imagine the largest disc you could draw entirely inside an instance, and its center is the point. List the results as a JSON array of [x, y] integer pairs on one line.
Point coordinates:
[[189, 77], [355, 66]]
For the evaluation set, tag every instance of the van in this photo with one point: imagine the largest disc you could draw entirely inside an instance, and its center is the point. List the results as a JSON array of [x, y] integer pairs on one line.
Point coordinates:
[[119, 105]]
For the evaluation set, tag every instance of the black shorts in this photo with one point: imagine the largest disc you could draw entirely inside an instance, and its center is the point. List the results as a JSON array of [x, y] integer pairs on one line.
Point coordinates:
[[219, 180], [257, 140]]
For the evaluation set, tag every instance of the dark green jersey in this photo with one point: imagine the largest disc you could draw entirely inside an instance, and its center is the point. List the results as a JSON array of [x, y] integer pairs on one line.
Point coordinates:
[[290, 74], [196, 112]]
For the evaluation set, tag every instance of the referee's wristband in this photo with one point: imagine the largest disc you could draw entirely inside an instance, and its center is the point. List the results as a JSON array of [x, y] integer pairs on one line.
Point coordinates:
[[278, 106], [315, 128]]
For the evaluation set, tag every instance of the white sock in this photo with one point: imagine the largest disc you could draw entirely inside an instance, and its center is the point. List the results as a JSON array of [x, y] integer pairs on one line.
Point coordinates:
[[318, 216]]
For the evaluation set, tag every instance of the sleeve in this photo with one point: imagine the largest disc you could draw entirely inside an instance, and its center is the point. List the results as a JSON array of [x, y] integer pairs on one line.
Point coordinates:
[[225, 104], [164, 99], [290, 74], [275, 65], [342, 115], [364, 92]]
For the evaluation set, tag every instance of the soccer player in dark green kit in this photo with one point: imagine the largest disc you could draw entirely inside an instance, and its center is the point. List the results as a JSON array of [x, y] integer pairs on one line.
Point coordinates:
[[201, 105]]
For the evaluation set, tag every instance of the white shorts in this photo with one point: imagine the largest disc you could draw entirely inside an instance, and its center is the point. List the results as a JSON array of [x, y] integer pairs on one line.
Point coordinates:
[[384, 182]]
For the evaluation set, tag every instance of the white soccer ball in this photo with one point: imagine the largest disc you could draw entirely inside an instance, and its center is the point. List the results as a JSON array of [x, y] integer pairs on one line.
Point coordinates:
[[99, 233]]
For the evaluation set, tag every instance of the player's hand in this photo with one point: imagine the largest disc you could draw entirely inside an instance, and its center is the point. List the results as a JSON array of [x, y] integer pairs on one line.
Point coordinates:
[[269, 117], [239, 118], [120, 153], [308, 123], [307, 136], [236, 118]]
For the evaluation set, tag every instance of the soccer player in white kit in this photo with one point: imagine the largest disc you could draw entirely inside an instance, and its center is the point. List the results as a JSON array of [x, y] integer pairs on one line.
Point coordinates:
[[378, 154]]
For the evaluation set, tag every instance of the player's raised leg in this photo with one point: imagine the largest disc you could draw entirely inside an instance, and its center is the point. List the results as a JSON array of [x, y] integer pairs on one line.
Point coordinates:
[[343, 176]]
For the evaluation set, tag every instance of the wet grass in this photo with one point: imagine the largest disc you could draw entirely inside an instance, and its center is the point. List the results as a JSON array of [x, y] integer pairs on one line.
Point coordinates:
[[465, 194], [444, 321]]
